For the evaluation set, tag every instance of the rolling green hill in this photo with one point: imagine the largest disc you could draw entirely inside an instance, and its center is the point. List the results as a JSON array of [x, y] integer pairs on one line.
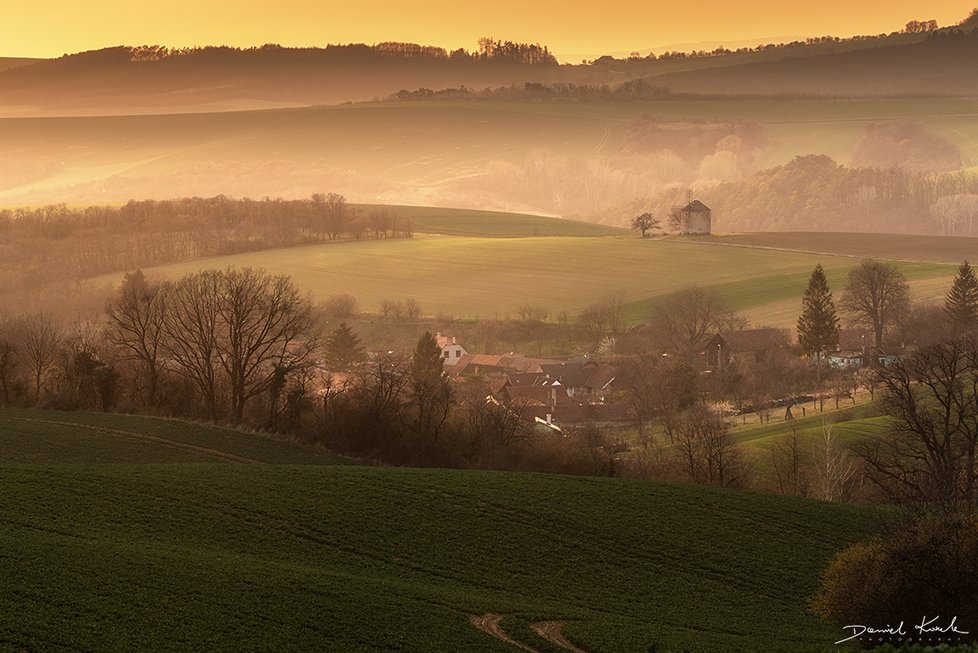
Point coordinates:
[[159, 557], [470, 276]]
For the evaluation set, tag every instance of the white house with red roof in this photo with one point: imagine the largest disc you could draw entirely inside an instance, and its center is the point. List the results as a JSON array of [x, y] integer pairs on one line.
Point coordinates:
[[451, 351]]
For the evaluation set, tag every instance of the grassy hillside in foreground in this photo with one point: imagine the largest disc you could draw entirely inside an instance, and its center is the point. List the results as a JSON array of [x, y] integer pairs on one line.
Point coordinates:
[[469, 277], [52, 437], [314, 558]]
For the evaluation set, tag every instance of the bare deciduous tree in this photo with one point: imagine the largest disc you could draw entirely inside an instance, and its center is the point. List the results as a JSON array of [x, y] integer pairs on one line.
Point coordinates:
[[876, 295], [687, 317], [135, 325], [792, 462], [264, 324], [191, 324], [41, 343], [835, 467], [930, 452], [707, 451], [8, 358]]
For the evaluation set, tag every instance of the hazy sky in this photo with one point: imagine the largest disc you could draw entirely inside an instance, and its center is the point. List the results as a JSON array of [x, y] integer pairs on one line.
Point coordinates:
[[44, 28]]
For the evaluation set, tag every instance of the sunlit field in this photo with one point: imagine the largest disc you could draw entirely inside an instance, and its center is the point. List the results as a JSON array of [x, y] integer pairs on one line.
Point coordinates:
[[470, 277]]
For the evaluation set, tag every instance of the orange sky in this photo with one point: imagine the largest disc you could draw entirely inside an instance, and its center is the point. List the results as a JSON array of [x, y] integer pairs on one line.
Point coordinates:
[[45, 28]]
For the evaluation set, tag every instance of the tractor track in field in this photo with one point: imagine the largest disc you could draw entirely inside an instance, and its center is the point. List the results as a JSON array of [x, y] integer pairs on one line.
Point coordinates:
[[173, 444], [489, 623], [553, 633]]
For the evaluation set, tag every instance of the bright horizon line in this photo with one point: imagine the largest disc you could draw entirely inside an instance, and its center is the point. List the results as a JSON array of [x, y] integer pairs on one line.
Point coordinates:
[[658, 47], [578, 29]]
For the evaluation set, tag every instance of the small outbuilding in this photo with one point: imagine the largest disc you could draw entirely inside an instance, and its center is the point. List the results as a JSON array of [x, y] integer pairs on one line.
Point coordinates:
[[694, 218]]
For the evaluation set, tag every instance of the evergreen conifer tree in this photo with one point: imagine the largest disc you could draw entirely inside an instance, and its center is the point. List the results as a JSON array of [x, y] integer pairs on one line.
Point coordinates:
[[818, 325], [343, 349], [961, 303], [431, 391]]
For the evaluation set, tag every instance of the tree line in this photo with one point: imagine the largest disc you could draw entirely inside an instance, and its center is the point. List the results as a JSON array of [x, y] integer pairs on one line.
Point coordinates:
[[244, 347], [489, 49], [56, 243], [631, 90]]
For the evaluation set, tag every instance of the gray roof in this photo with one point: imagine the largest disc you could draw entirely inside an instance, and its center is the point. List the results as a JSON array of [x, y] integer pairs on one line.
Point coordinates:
[[696, 206]]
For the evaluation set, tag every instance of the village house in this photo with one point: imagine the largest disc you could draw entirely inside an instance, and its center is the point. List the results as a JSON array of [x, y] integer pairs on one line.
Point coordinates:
[[873, 356], [548, 390], [856, 349], [584, 377], [451, 351], [750, 346], [489, 364], [850, 351]]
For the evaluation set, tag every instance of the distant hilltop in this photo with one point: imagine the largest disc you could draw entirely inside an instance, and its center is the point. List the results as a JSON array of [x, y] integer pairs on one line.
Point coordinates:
[[921, 60]]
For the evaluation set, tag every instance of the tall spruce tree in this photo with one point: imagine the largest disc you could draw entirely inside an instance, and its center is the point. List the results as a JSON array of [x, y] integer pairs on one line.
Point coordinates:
[[343, 349], [818, 325], [961, 303]]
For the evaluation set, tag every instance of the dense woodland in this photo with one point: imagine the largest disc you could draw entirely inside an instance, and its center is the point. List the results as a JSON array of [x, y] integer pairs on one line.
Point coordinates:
[[815, 190], [900, 178]]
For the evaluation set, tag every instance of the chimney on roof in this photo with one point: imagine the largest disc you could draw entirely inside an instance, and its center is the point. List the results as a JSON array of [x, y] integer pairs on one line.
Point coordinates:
[[454, 340], [437, 334]]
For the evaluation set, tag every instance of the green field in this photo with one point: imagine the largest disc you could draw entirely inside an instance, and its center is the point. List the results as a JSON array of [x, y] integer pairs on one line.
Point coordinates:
[[211, 556], [848, 423], [68, 438], [933, 249], [472, 277]]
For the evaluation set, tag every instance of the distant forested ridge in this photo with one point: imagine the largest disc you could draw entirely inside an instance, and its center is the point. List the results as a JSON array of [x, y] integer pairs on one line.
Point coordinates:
[[152, 74], [489, 50], [919, 60]]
